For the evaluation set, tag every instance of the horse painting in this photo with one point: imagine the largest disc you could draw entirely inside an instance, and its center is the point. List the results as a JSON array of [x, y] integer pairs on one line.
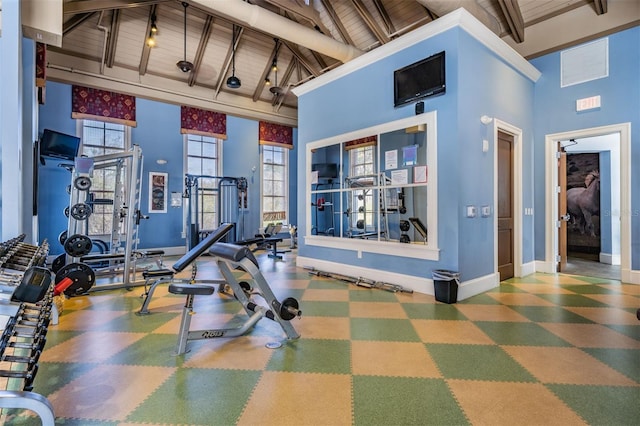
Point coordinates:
[[584, 202]]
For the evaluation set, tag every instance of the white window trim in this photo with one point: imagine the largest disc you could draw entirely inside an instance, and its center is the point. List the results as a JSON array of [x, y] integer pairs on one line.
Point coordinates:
[[287, 220], [429, 251]]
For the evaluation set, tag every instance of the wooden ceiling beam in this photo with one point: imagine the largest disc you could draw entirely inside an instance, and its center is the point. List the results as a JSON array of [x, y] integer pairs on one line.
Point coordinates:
[[370, 21], [305, 11], [227, 60], [513, 15], [112, 41], [337, 22], [601, 6], [85, 6], [146, 49], [204, 40], [385, 16], [75, 21]]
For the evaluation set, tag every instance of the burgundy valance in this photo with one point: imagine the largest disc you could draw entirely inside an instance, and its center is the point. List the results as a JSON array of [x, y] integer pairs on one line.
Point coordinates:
[[41, 64], [198, 121], [362, 142], [103, 105], [276, 135]]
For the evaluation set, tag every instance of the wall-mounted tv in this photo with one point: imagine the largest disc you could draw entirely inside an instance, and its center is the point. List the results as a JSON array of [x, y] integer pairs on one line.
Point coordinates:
[[419, 80], [325, 170], [59, 145]]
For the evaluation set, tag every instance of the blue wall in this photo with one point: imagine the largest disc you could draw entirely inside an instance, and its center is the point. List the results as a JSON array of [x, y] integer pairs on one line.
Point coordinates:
[[478, 83], [555, 112], [158, 135]]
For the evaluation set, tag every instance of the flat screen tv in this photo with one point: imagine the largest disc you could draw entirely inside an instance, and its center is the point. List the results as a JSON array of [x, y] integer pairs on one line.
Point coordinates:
[[419, 80], [59, 145], [325, 170]]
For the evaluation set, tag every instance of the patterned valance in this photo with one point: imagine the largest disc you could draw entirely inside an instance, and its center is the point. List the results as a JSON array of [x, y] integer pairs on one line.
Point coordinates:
[[41, 64], [103, 105], [276, 135], [362, 142], [198, 121]]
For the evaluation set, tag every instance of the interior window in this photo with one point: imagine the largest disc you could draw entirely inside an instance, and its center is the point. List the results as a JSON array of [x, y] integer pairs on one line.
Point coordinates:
[[275, 170], [203, 159]]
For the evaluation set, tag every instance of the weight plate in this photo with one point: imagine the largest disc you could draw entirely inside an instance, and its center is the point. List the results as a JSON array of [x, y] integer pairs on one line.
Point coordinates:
[[82, 276], [62, 237], [404, 238], [66, 211], [58, 263], [404, 225], [82, 183], [78, 245], [81, 211], [289, 302], [69, 189]]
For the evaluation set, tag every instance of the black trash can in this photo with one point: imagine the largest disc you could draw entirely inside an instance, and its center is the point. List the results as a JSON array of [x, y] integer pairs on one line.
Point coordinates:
[[445, 284]]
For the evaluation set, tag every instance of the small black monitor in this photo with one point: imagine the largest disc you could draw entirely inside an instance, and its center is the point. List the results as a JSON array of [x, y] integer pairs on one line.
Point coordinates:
[[59, 145], [419, 80], [326, 170]]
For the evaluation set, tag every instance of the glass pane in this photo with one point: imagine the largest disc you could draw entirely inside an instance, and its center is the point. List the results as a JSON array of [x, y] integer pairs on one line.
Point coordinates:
[[208, 167], [209, 150], [194, 166], [193, 147]]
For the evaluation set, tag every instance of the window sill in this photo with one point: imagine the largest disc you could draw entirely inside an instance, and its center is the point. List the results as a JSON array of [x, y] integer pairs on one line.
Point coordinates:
[[414, 250]]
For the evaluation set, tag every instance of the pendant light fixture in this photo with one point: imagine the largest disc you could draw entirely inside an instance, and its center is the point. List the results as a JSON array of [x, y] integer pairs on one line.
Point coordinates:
[[233, 82], [184, 65], [275, 89]]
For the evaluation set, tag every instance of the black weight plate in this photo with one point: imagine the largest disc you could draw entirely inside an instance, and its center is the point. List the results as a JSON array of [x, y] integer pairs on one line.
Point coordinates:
[[404, 238], [58, 263], [78, 245], [66, 211], [62, 237], [289, 302], [81, 211], [82, 183], [82, 276]]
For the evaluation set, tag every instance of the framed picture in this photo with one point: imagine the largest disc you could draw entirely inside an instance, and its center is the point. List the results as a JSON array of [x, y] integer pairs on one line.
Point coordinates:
[[158, 192]]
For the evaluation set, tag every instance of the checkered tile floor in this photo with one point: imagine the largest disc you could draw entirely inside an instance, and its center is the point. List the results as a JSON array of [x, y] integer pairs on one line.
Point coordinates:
[[541, 350]]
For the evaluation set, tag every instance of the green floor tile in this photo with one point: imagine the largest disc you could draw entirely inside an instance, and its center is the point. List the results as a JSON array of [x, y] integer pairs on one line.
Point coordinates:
[[440, 311], [632, 331], [131, 322], [54, 375], [520, 333], [602, 405], [153, 349], [530, 279], [550, 314], [313, 356], [480, 299], [574, 300], [322, 284], [324, 309], [404, 401], [589, 289], [196, 396], [595, 280], [626, 361], [477, 362], [384, 329]]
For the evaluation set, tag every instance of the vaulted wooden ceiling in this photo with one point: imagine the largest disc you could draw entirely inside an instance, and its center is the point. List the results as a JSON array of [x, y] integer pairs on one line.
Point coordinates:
[[105, 42]]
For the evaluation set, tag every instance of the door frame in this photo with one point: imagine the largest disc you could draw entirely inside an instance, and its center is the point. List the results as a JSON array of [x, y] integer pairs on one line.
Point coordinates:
[[499, 125], [551, 202]]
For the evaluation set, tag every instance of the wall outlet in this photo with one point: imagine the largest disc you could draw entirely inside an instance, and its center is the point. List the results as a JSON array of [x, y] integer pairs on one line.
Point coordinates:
[[486, 211]]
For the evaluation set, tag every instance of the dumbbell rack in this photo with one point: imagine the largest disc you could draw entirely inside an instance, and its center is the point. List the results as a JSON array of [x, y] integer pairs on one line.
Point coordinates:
[[24, 331]]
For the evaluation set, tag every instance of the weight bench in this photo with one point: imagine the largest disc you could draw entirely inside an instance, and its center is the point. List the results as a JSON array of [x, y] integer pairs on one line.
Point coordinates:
[[160, 276], [228, 258]]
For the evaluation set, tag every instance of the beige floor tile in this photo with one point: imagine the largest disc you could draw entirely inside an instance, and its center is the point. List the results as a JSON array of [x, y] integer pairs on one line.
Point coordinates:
[[520, 299], [560, 279], [633, 289], [542, 288], [324, 327], [299, 399], [108, 392], [285, 283], [591, 336], [505, 403], [567, 366], [606, 315], [376, 310], [491, 313], [617, 300], [402, 359], [444, 331], [90, 346], [199, 321]]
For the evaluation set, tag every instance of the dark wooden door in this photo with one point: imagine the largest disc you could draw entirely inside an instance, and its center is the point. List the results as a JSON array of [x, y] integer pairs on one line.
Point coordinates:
[[505, 206], [563, 216]]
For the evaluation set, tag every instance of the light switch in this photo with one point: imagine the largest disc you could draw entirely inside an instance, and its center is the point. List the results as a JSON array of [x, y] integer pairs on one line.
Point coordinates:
[[471, 211], [486, 211]]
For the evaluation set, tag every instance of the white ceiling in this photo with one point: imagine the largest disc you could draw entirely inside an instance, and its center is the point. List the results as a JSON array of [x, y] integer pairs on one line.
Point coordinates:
[[103, 42]]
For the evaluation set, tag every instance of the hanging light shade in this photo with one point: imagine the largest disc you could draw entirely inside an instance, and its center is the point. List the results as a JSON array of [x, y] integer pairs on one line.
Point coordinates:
[[184, 65], [275, 89], [233, 82]]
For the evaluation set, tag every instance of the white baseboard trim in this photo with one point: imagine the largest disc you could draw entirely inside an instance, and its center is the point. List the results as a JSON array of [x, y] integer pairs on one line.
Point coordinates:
[[418, 284], [610, 259], [547, 268], [478, 285], [629, 276], [527, 269]]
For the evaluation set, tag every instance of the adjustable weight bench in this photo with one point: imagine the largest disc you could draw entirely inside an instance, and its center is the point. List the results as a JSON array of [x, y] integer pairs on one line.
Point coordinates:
[[228, 258], [160, 276]]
